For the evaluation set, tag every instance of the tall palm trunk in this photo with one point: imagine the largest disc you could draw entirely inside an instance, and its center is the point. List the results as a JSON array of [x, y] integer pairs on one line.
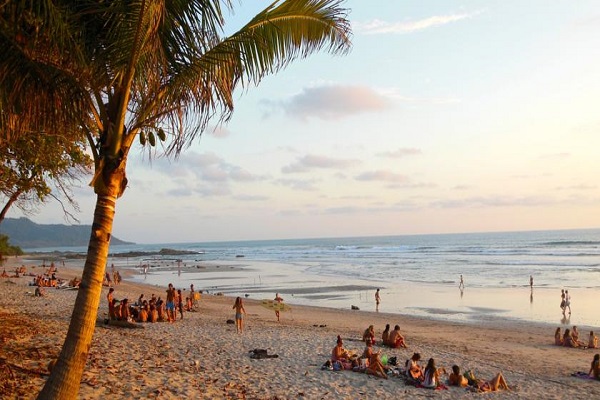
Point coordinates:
[[65, 378]]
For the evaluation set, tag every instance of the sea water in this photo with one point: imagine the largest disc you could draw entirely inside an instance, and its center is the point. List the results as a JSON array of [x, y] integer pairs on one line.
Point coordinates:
[[418, 274]]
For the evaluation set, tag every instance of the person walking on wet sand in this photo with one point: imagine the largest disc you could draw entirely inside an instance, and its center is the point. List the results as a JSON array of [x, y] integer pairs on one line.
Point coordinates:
[[461, 285], [377, 299], [531, 281], [278, 300], [567, 302]]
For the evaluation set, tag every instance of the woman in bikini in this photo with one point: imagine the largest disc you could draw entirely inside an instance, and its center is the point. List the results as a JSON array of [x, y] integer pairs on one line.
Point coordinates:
[[239, 315], [568, 339], [593, 341], [493, 385], [456, 378], [369, 335]]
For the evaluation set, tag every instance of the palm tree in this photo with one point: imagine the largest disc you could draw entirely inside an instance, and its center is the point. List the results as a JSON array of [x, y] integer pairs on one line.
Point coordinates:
[[150, 69]]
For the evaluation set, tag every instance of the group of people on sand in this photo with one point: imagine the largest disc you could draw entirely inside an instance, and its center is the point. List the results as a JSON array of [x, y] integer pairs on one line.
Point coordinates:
[[373, 363], [570, 338], [393, 339], [150, 310], [116, 277]]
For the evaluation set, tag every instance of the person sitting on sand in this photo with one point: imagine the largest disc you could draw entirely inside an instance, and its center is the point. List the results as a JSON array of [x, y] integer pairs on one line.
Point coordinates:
[[568, 339], [431, 375], [558, 340], [153, 314], [575, 336], [375, 366], [456, 378], [413, 369], [4, 274], [396, 339], [369, 335], [143, 314], [593, 341], [39, 292], [493, 385], [340, 355], [385, 336], [125, 315], [595, 367]]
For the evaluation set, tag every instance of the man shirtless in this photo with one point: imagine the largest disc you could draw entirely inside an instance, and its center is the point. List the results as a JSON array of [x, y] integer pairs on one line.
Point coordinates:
[[170, 305]]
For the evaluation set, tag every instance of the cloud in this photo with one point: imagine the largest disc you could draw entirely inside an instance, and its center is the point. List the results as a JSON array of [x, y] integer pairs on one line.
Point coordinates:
[[298, 184], [495, 201], [402, 152], [219, 131], [383, 176], [247, 197], [377, 27], [308, 162], [332, 102], [203, 173]]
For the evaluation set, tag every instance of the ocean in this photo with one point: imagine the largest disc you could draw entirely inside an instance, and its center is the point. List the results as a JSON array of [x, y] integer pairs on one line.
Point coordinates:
[[418, 274]]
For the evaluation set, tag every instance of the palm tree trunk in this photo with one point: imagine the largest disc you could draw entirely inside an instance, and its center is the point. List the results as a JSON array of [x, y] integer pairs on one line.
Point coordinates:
[[65, 378]]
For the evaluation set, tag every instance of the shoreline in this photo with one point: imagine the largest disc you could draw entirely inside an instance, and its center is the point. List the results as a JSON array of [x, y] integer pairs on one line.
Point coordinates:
[[201, 356]]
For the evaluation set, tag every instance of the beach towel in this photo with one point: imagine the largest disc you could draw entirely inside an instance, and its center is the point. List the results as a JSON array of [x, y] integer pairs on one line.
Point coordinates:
[[582, 375]]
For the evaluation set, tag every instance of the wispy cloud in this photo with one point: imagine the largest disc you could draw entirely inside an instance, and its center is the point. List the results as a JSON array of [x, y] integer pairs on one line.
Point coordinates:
[[401, 152], [376, 26], [332, 102], [298, 184], [382, 176], [309, 162]]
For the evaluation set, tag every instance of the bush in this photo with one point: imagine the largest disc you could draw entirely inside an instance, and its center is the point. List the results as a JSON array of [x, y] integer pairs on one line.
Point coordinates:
[[7, 250]]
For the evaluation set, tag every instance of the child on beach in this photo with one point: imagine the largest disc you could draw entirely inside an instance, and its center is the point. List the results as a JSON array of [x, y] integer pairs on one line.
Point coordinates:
[[239, 315]]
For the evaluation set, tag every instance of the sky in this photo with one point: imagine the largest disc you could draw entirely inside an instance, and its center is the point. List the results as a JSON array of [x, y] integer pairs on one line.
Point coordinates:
[[445, 117]]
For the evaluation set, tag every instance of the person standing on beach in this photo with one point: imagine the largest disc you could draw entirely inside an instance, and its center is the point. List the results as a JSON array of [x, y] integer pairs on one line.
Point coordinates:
[[377, 299], [531, 281], [111, 304], [278, 300], [461, 285], [171, 303], [239, 315], [562, 300]]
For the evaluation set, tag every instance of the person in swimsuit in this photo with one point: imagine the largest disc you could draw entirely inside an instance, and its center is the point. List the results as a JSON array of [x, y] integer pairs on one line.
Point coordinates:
[[385, 336], [431, 376], [595, 367], [456, 378], [558, 340], [593, 341], [279, 300], [171, 293], [396, 339], [493, 385], [377, 300], [239, 315], [413, 369]]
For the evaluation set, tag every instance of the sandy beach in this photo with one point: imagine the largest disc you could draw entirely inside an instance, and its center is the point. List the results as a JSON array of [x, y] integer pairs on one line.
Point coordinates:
[[202, 356]]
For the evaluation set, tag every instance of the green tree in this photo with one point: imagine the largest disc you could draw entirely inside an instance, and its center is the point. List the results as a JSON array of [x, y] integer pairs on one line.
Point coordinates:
[[30, 167], [152, 70]]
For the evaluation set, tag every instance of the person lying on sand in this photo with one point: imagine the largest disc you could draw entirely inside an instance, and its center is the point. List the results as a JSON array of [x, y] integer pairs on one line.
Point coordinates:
[[493, 385], [456, 378]]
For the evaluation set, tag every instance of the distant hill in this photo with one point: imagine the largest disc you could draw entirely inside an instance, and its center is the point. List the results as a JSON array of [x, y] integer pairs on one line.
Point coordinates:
[[27, 234]]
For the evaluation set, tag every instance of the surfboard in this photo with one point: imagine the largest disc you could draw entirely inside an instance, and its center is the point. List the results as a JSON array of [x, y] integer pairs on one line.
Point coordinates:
[[275, 306]]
